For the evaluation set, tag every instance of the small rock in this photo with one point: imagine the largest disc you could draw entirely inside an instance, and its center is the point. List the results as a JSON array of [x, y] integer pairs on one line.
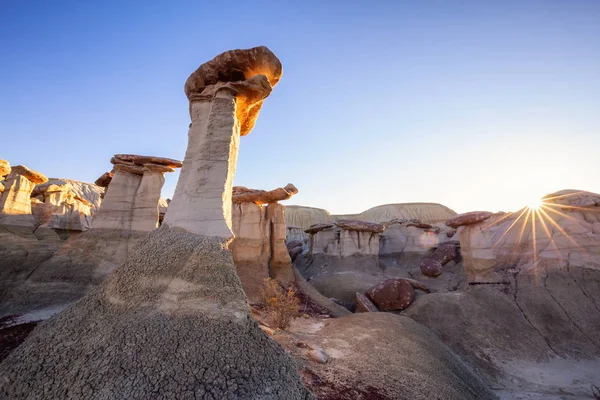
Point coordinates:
[[445, 253], [363, 304], [430, 267], [317, 354], [392, 294]]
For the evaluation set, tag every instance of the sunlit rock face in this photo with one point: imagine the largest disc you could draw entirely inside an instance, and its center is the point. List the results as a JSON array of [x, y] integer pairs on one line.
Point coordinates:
[[15, 203], [565, 230], [225, 96]]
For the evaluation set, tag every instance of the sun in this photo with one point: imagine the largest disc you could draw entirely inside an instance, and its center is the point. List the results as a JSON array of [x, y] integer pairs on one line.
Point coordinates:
[[535, 204]]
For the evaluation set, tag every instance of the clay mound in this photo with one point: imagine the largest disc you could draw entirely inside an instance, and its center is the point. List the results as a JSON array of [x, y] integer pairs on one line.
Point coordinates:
[[172, 322], [425, 212], [305, 217], [394, 357]]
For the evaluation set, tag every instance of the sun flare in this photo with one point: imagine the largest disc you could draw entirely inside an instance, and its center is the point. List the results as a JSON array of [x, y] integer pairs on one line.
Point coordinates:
[[535, 204]]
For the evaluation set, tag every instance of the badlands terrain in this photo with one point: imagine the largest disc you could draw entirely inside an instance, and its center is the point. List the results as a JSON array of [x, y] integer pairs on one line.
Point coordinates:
[[108, 291]]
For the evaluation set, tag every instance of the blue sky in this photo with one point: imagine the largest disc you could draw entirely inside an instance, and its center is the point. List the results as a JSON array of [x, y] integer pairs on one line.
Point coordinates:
[[472, 104]]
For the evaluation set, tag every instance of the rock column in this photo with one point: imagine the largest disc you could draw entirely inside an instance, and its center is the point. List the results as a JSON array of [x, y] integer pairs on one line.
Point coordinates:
[[225, 96], [131, 200], [15, 201]]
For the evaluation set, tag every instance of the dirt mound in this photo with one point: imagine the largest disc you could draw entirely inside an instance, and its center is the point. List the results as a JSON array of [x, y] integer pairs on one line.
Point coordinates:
[[172, 322]]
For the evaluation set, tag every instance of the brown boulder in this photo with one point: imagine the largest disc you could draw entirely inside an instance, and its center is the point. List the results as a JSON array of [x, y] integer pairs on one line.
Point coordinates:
[[360, 226], [241, 194], [445, 253], [363, 304], [31, 175], [468, 218], [292, 244], [4, 168], [430, 267], [420, 225], [141, 160], [318, 228], [104, 180], [392, 294]]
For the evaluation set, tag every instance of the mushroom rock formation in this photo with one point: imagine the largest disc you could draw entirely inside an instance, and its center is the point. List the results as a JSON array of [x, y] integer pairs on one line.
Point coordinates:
[[344, 258], [259, 249], [407, 237], [225, 96], [4, 168], [176, 303], [132, 198], [15, 203]]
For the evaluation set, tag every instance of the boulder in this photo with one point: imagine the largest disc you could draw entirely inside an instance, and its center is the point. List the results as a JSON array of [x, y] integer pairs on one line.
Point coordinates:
[[431, 267], [392, 295], [363, 304], [445, 253], [468, 218]]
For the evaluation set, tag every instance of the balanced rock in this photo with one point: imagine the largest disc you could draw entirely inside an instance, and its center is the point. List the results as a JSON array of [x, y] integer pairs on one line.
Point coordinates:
[[245, 195], [225, 95], [132, 198], [430, 267], [468, 218], [143, 160], [248, 74], [15, 202], [392, 295]]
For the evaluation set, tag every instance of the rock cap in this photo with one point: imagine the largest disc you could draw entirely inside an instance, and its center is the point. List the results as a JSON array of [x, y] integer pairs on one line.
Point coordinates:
[[33, 176], [360, 226], [242, 194], [142, 160], [318, 228], [468, 218]]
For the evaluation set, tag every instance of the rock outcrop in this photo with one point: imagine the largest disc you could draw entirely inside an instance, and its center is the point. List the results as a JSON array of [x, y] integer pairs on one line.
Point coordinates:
[[202, 202], [62, 207], [468, 218], [132, 197], [4, 168], [259, 249], [15, 203], [431, 213], [565, 228]]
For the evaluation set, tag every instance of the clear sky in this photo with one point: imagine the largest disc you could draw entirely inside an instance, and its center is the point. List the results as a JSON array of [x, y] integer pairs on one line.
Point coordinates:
[[472, 104]]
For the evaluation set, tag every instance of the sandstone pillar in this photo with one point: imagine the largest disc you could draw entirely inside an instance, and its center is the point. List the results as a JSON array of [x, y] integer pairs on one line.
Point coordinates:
[[225, 96], [145, 205], [133, 193], [116, 211], [15, 201]]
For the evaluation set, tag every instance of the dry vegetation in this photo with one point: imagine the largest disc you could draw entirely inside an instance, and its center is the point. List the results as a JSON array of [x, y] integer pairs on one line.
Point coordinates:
[[281, 304]]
